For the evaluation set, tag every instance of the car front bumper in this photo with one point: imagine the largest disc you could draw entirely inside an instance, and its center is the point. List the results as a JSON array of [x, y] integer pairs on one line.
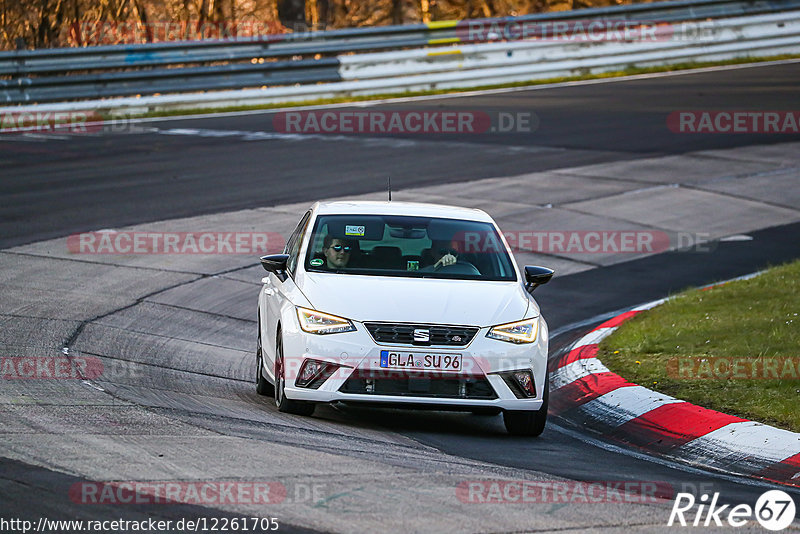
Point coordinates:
[[359, 355]]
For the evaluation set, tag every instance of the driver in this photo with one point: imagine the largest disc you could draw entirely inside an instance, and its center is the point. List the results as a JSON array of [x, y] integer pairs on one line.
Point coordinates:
[[336, 251], [443, 254]]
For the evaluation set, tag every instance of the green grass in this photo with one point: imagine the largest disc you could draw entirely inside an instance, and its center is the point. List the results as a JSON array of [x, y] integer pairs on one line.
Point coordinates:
[[322, 101], [755, 323]]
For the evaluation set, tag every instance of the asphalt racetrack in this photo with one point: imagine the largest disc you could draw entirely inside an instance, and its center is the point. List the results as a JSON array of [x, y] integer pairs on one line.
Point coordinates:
[[54, 188], [183, 330]]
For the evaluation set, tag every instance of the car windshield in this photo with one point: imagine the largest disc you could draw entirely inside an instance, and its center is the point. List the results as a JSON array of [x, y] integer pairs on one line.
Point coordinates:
[[390, 245]]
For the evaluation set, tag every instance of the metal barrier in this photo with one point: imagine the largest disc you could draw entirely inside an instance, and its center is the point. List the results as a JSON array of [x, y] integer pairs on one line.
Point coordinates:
[[149, 81], [525, 60], [107, 71]]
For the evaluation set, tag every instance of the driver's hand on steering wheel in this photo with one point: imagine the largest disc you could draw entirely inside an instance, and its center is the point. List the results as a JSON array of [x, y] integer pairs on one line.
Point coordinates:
[[444, 261]]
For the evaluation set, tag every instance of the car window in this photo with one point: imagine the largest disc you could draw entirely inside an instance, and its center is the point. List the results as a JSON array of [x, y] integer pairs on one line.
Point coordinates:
[[294, 242], [408, 246]]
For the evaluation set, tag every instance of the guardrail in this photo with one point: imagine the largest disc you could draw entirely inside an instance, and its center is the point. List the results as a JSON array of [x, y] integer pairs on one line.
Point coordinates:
[[30, 74], [26, 62], [524, 60], [109, 84]]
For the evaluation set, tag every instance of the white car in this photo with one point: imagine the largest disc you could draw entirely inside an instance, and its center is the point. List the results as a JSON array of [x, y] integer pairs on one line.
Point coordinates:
[[403, 305]]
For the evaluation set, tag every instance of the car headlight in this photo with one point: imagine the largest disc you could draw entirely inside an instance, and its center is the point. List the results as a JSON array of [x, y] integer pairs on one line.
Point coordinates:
[[315, 322], [517, 332]]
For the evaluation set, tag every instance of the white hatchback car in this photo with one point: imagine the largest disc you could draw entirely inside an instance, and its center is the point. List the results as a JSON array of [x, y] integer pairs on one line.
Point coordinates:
[[405, 305]]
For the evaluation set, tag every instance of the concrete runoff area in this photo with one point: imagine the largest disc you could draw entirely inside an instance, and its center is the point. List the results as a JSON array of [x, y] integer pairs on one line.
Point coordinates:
[[176, 334]]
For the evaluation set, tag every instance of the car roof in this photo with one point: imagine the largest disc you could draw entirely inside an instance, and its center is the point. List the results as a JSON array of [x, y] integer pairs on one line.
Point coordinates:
[[414, 209]]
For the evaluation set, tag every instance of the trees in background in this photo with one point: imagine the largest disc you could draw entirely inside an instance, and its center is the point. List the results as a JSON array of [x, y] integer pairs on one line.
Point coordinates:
[[55, 23]]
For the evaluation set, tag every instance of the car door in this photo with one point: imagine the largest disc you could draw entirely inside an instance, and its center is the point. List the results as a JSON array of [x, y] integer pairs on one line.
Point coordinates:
[[275, 293]]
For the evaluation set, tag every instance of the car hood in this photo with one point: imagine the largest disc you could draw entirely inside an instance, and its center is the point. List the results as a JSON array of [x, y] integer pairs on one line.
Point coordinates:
[[417, 300]]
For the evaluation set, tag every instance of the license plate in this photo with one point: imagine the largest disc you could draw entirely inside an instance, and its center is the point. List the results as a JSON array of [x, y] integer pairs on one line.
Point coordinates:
[[420, 360]]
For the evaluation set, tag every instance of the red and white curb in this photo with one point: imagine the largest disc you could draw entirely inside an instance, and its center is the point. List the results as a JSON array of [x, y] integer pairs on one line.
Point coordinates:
[[582, 388]]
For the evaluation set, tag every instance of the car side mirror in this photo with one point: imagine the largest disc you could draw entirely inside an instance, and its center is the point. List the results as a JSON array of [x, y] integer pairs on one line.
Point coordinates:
[[536, 276], [275, 263]]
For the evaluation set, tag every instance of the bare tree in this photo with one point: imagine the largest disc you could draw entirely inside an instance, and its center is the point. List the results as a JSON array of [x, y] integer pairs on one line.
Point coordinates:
[[397, 11], [6, 36], [292, 13], [51, 23]]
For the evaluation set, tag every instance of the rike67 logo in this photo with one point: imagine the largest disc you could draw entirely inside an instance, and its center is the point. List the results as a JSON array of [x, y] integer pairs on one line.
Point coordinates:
[[774, 510]]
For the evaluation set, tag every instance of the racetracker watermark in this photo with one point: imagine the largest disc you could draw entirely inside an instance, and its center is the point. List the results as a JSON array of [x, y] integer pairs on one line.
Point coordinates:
[[581, 31], [563, 492], [734, 122], [50, 368], [583, 242], [50, 121], [174, 492], [719, 368], [112, 242], [417, 363], [420, 122], [565, 241], [184, 524], [201, 492]]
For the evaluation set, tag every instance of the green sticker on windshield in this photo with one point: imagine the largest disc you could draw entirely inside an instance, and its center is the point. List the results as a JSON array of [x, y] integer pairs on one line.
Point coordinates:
[[316, 262]]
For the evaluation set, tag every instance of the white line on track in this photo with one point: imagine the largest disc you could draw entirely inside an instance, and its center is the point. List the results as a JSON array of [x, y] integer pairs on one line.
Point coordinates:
[[18, 139], [369, 140], [47, 137]]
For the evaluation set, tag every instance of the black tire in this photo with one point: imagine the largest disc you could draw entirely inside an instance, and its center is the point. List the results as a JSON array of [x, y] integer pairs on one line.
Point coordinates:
[[263, 387], [528, 422], [486, 411], [287, 405]]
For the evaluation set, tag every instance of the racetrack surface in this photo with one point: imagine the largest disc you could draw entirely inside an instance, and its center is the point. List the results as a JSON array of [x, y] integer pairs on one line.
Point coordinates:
[[178, 168], [176, 335]]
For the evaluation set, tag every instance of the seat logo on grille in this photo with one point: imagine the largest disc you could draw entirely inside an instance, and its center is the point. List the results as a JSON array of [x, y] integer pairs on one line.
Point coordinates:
[[422, 335]]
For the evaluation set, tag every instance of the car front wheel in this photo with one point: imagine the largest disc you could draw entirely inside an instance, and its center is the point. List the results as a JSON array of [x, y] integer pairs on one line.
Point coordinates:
[[287, 405], [528, 422], [263, 387]]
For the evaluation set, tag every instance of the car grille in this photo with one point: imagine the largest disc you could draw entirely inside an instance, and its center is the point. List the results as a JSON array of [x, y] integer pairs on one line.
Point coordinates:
[[403, 334], [378, 383]]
